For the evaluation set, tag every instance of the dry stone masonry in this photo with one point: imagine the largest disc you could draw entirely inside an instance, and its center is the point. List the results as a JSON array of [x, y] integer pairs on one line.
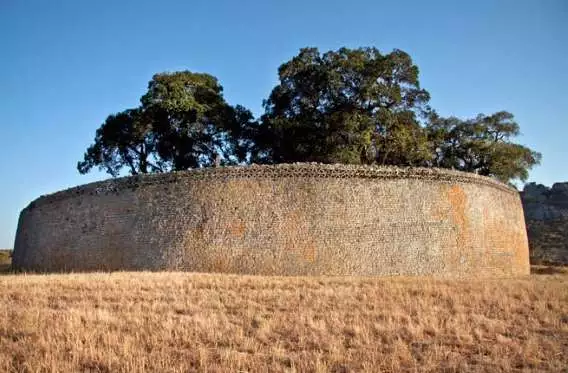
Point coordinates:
[[299, 219]]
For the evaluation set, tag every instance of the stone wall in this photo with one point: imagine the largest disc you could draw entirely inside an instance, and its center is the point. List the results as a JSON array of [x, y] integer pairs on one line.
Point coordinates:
[[546, 214], [300, 219]]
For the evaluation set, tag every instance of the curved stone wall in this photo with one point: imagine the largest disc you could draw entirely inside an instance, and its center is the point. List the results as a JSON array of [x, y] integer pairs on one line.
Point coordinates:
[[301, 219]]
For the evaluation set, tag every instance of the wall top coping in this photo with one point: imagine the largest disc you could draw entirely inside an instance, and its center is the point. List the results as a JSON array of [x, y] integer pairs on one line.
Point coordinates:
[[288, 170]]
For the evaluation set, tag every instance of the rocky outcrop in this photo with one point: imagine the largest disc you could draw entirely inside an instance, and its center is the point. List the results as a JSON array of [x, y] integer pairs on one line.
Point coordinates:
[[543, 203], [546, 215]]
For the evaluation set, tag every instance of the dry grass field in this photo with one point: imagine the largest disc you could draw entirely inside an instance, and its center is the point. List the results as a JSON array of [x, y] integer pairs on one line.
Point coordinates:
[[179, 322]]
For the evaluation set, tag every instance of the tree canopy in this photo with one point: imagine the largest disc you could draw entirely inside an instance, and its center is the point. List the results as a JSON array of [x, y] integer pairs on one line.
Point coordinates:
[[355, 106], [481, 145], [183, 122], [347, 106]]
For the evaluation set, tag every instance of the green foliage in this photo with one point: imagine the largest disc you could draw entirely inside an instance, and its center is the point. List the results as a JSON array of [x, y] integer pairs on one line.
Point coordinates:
[[347, 106], [124, 140], [183, 122], [354, 106], [481, 145]]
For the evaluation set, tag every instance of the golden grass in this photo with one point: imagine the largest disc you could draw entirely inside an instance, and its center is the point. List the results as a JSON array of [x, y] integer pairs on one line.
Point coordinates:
[[180, 322]]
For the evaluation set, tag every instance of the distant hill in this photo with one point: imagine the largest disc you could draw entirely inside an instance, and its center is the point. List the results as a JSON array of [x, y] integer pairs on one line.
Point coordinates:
[[546, 215], [5, 260]]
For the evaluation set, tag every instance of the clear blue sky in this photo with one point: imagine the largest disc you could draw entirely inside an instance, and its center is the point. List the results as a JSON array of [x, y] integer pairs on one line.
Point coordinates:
[[66, 65]]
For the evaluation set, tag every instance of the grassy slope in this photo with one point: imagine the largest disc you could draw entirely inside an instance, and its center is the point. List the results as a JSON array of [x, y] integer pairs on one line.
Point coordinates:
[[175, 322]]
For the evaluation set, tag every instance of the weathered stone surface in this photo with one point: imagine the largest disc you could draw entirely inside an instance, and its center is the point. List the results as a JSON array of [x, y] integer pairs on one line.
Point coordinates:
[[301, 219], [543, 203], [546, 214]]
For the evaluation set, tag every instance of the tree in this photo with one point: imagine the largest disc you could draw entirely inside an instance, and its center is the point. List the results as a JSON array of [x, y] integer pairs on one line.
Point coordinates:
[[183, 122], [347, 106], [124, 140], [354, 106], [481, 145]]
